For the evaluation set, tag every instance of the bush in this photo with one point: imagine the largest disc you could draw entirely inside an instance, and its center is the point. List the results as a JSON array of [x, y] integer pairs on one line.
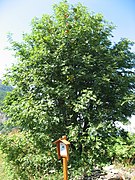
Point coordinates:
[[24, 158], [124, 150]]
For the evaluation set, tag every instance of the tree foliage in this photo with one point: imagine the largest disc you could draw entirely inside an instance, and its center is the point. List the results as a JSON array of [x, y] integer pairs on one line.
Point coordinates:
[[72, 79]]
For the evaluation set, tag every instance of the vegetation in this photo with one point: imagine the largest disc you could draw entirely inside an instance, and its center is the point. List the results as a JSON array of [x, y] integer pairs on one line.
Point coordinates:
[[23, 158], [3, 175], [70, 79], [124, 150]]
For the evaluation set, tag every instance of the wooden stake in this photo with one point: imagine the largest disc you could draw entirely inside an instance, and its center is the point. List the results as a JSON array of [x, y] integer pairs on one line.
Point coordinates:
[[65, 169]]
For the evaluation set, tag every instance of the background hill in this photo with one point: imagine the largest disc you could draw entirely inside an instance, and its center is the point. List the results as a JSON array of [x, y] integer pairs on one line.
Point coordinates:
[[3, 91]]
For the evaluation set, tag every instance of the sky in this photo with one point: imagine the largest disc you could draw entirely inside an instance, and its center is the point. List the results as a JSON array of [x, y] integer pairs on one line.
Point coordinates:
[[16, 16]]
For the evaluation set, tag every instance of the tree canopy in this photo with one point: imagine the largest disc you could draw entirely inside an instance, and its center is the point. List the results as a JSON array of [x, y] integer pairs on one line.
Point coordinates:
[[71, 78]]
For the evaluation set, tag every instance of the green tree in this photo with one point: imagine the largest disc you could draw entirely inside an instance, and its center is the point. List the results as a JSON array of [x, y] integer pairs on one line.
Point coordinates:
[[72, 79]]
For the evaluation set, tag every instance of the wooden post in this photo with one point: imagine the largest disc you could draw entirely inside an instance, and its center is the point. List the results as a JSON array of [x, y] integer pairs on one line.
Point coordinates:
[[62, 150], [65, 168]]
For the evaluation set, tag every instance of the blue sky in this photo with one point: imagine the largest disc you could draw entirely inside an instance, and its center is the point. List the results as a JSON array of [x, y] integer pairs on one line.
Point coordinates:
[[16, 16]]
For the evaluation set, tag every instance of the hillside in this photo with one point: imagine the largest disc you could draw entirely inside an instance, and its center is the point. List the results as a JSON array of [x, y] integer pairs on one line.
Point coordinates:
[[3, 91]]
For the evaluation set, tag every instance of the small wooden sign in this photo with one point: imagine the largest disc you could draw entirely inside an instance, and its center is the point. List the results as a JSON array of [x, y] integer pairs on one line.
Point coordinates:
[[62, 150], [62, 147]]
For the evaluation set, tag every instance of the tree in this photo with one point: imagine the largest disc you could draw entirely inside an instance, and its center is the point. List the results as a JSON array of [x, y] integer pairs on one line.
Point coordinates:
[[72, 79]]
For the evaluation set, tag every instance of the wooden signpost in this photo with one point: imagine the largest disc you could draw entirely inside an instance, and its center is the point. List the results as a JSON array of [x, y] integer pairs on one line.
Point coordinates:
[[62, 150]]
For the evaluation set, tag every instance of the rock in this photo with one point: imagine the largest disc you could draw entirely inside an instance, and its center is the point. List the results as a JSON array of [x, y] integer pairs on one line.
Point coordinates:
[[111, 173], [115, 177]]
